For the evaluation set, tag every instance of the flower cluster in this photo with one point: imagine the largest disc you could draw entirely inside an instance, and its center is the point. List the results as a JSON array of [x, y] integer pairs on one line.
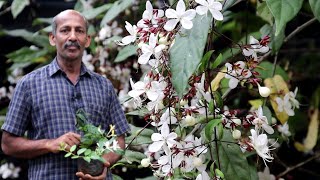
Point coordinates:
[[175, 145]]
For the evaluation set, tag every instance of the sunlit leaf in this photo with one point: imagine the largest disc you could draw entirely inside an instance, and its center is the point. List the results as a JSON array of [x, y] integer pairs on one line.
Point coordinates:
[[17, 6], [256, 103], [278, 88], [315, 7], [215, 83], [115, 10], [283, 11], [68, 154], [73, 148], [209, 128], [126, 52], [187, 52], [92, 13]]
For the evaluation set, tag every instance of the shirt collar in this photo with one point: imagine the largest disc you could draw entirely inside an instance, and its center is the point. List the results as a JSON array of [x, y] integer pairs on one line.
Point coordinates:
[[54, 68]]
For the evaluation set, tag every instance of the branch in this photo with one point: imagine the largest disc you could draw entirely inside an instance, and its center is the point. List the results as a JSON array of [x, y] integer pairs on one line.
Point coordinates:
[[288, 169], [300, 28]]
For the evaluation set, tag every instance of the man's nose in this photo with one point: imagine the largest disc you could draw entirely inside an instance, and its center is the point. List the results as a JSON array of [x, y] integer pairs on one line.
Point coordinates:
[[72, 36]]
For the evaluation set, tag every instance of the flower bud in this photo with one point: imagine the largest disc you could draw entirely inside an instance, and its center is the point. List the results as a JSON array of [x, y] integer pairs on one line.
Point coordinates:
[[237, 121], [273, 120], [264, 91], [197, 162], [145, 162], [190, 121], [183, 102], [236, 134]]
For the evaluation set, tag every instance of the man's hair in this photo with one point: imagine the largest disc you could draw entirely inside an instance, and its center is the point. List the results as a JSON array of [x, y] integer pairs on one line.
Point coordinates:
[[54, 22]]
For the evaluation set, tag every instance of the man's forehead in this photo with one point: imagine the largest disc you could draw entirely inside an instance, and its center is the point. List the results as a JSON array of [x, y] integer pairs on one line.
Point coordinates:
[[70, 18]]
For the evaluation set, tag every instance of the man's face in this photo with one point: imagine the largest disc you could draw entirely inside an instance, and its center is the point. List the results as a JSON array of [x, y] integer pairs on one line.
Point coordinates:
[[71, 37]]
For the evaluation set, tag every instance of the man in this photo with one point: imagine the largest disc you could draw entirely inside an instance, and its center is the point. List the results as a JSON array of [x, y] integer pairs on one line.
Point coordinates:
[[45, 102]]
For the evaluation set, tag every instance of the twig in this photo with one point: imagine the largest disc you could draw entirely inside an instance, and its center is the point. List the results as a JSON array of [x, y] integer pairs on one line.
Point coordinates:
[[288, 169], [138, 134], [300, 28]]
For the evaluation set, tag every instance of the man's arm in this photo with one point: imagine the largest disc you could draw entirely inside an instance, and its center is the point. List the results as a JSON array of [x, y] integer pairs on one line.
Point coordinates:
[[21, 147], [111, 158]]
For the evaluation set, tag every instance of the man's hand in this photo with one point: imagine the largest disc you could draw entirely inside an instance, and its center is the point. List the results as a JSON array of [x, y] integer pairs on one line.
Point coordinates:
[[89, 177], [69, 139]]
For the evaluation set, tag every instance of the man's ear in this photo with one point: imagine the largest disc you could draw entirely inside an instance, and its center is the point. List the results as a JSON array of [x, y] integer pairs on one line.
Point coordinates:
[[52, 39], [88, 41]]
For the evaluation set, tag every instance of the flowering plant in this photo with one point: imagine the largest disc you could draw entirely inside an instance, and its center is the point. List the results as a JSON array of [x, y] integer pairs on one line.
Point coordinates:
[[94, 142]]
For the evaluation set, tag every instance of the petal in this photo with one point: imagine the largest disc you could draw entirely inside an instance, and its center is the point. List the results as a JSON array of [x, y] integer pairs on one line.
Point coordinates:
[[156, 137], [171, 13], [187, 24], [263, 49], [201, 10], [216, 5], [189, 15], [247, 51], [165, 130], [233, 83], [152, 40], [216, 14], [135, 93], [202, 2], [181, 7], [253, 41], [268, 128], [155, 146], [144, 58], [152, 95], [171, 24], [163, 160], [128, 39]]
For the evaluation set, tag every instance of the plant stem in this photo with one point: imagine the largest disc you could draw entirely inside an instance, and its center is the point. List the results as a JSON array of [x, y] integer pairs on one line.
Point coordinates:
[[288, 169], [300, 28], [138, 134]]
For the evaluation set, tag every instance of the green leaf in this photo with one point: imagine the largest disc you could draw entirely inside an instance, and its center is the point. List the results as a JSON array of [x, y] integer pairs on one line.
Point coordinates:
[[115, 10], [94, 12], [88, 159], [116, 177], [126, 52], [26, 54], [267, 113], [87, 152], [1, 4], [227, 4], [204, 61], [233, 162], [68, 154], [283, 11], [187, 52], [217, 61], [276, 41], [264, 12], [220, 173], [39, 40], [315, 7], [17, 6], [265, 70], [73, 148], [132, 156], [209, 128], [140, 112], [82, 150]]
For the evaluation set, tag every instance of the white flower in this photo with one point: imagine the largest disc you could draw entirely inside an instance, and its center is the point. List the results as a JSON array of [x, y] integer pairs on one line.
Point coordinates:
[[168, 117], [260, 143], [138, 88], [163, 139], [236, 72], [3, 92], [150, 15], [285, 105], [8, 170], [130, 38], [236, 134], [255, 48], [156, 90], [284, 130], [201, 91], [188, 121], [265, 175], [262, 121], [211, 5], [179, 15], [150, 49]]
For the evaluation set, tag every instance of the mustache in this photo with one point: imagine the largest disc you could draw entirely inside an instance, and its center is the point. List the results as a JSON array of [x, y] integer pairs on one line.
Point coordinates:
[[71, 43]]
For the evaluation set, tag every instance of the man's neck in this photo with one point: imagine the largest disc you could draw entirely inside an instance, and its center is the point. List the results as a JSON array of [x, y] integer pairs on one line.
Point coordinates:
[[71, 68]]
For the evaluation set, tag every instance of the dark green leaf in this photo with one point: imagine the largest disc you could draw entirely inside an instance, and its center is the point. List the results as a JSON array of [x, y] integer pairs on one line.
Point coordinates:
[[266, 112], [115, 10], [204, 61], [233, 163], [126, 52], [26, 54], [228, 4], [187, 52], [17, 6], [209, 128], [315, 7], [139, 112], [217, 61], [265, 70], [264, 12], [283, 11], [132, 156], [39, 40]]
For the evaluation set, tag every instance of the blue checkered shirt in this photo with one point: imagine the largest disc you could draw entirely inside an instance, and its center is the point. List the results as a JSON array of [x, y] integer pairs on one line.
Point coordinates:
[[44, 105]]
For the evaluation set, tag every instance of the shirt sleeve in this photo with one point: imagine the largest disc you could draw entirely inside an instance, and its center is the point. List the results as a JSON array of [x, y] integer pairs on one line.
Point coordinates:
[[17, 118], [116, 114]]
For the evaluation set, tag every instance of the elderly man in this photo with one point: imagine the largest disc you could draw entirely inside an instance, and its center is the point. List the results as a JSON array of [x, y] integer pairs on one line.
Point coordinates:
[[45, 102]]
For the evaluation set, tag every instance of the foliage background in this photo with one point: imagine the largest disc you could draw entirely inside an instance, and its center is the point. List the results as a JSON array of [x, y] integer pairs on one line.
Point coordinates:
[[299, 58]]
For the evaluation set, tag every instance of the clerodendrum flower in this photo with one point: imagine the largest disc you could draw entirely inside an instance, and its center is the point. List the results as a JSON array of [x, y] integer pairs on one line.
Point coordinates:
[[179, 15], [261, 121], [150, 49], [255, 48], [260, 143], [149, 16], [211, 5], [236, 72], [164, 139], [203, 176], [288, 103], [130, 38]]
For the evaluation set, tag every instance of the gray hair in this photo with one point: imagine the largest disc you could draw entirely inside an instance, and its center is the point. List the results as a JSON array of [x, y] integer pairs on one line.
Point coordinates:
[[54, 21]]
